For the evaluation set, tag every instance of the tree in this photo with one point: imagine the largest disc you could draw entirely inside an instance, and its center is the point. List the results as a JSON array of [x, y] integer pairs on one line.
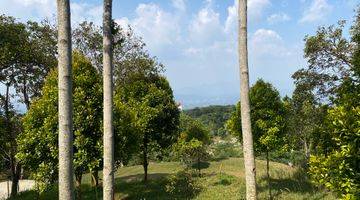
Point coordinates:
[[38, 150], [151, 100], [329, 57], [25, 61], [192, 142], [337, 166], [267, 120], [249, 159], [66, 185], [108, 170]]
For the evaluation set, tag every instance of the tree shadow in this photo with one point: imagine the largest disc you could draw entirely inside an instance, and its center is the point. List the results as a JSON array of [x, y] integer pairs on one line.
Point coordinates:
[[201, 165], [133, 187], [297, 183]]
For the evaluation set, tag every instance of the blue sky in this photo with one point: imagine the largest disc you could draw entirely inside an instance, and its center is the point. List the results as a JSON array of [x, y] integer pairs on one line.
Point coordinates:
[[196, 39]]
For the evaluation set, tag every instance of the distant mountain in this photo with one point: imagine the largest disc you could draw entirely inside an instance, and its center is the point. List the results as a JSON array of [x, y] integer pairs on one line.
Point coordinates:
[[214, 117]]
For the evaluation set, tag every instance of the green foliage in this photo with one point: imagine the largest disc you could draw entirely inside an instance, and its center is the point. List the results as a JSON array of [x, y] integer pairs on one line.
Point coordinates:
[[339, 169], [214, 117], [151, 102], [192, 143], [38, 144], [267, 117], [225, 149], [27, 53], [182, 184]]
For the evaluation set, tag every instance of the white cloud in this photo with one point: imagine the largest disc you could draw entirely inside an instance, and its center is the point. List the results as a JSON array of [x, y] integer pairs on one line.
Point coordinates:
[[28, 9], [277, 18], [205, 27], [256, 8], [39, 9], [158, 27], [179, 4], [255, 12], [83, 11], [318, 10], [265, 42]]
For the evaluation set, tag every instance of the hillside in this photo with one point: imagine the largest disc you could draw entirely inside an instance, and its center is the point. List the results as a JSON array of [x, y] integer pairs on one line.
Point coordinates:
[[223, 179], [214, 117]]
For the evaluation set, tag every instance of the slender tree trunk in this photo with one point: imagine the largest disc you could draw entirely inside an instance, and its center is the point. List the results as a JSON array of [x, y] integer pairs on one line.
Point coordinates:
[[307, 149], [25, 94], [95, 178], [11, 133], [108, 171], [268, 173], [198, 164], [145, 158], [78, 178], [249, 160], [66, 181]]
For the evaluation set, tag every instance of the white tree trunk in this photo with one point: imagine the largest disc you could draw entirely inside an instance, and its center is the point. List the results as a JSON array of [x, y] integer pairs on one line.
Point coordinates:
[[249, 160], [108, 171], [66, 182]]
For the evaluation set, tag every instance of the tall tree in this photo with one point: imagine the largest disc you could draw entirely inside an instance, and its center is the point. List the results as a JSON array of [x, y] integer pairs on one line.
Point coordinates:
[[108, 171], [37, 143], [249, 160], [66, 183]]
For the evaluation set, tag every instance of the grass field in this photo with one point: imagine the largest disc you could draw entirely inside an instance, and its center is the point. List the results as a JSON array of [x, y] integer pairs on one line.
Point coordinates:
[[223, 179]]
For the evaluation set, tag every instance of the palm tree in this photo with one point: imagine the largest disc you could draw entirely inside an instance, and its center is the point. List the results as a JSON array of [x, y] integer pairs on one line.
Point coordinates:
[[66, 183], [108, 171], [249, 161]]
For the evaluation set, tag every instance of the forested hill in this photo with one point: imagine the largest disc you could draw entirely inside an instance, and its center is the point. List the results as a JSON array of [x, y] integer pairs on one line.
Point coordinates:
[[214, 117]]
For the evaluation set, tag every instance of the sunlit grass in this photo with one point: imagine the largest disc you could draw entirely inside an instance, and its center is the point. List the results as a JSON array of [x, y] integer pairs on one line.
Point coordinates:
[[223, 179]]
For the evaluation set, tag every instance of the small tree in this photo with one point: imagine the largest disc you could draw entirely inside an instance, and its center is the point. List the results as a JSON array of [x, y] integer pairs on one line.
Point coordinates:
[[156, 116], [267, 120], [192, 143]]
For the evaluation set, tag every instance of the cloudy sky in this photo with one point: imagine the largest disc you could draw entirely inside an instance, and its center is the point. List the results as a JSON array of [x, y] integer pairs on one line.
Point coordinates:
[[196, 39]]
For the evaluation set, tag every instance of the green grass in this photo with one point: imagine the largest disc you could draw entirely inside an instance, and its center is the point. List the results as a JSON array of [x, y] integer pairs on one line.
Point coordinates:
[[223, 179]]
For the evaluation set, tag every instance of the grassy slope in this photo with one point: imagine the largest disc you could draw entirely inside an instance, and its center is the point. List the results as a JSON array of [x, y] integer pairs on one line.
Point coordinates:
[[221, 180]]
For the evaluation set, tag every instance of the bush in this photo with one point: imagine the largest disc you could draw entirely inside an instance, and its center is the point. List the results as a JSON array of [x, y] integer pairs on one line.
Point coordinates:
[[182, 185]]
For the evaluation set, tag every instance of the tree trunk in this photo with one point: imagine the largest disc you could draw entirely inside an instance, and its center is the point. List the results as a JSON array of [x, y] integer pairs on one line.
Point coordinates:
[[78, 178], [249, 160], [307, 150], [11, 133], [95, 178], [145, 158], [25, 94], [108, 171], [66, 182], [198, 164], [268, 173]]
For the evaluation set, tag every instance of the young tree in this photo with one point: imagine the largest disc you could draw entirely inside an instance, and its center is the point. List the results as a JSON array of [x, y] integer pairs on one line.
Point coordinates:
[[267, 120], [66, 183], [108, 170], [156, 114], [192, 142], [249, 160]]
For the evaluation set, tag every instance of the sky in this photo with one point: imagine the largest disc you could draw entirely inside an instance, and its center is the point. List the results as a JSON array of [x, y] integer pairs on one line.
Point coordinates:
[[196, 39]]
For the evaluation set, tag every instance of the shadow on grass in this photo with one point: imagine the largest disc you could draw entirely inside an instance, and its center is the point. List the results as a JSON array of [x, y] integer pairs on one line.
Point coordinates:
[[201, 165], [298, 183], [133, 187]]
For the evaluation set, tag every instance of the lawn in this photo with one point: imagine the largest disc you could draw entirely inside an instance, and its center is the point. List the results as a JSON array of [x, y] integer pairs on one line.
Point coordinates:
[[223, 179]]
